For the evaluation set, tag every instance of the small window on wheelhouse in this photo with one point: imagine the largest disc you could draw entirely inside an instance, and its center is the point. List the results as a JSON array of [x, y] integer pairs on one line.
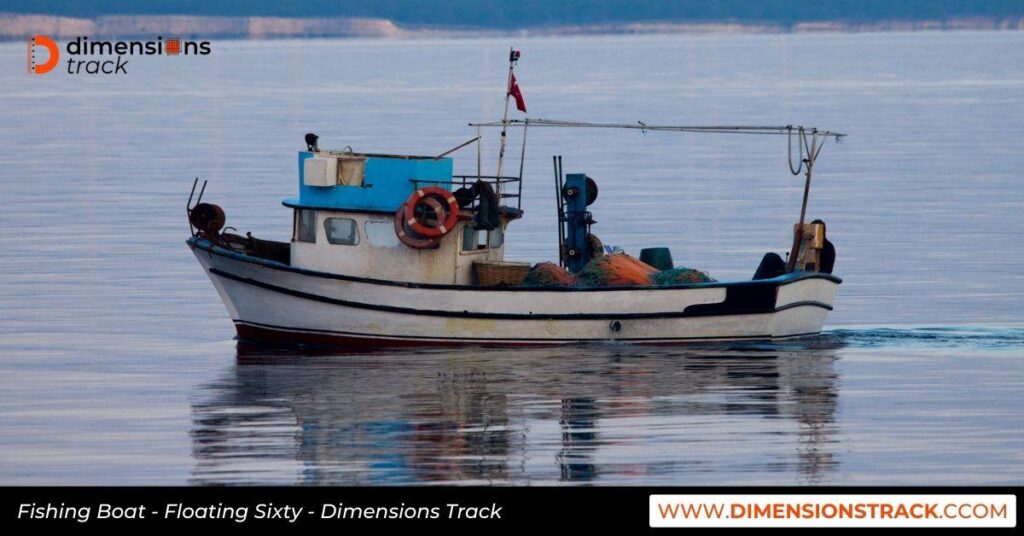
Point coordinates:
[[495, 238], [381, 234], [305, 225], [474, 240], [342, 231], [469, 238]]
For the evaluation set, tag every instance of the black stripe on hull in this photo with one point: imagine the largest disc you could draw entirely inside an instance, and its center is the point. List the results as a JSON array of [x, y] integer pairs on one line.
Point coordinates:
[[740, 300]]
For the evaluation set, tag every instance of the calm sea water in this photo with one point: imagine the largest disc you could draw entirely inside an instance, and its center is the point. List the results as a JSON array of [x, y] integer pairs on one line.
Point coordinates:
[[118, 366]]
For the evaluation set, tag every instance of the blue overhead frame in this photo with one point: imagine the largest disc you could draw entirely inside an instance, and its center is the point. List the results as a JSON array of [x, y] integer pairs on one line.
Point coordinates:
[[388, 181]]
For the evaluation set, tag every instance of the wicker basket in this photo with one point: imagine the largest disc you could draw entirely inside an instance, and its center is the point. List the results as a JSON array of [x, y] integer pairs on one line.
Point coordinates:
[[494, 273]]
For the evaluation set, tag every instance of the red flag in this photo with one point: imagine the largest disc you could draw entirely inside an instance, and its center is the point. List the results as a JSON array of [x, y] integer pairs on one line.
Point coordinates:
[[513, 90]]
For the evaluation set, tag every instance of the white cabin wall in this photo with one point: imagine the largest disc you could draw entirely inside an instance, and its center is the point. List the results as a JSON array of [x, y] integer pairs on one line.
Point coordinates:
[[388, 258]]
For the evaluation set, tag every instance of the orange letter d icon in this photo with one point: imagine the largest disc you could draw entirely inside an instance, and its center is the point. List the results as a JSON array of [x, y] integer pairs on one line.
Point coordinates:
[[34, 44]]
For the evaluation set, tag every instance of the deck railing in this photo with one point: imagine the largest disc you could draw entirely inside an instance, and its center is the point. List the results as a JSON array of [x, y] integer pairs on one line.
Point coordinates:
[[509, 189]]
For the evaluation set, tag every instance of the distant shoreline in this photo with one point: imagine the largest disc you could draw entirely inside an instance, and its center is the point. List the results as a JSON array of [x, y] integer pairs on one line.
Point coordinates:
[[15, 26]]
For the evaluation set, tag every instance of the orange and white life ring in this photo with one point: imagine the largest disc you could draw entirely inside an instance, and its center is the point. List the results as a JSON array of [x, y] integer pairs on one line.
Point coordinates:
[[446, 216], [407, 237]]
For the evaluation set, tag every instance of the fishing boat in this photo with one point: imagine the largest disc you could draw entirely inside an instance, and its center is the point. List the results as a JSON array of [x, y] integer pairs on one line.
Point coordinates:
[[395, 250]]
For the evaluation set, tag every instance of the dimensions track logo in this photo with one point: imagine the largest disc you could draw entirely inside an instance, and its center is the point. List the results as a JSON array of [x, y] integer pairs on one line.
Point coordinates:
[[83, 55]]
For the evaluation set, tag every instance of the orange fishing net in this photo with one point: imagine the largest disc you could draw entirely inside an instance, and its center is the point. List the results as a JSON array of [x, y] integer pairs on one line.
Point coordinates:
[[549, 274], [617, 269]]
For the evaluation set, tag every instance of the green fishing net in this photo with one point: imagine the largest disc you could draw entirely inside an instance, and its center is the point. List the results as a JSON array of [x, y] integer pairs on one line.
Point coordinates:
[[680, 276]]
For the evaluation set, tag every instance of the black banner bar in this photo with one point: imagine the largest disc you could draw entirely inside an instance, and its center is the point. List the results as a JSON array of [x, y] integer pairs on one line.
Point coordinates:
[[453, 509]]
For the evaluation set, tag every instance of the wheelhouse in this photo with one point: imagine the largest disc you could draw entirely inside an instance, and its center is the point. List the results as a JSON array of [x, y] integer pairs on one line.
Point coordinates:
[[345, 212]]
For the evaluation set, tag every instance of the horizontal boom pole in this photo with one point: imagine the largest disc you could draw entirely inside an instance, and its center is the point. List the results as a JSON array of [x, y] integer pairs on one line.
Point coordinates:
[[769, 130]]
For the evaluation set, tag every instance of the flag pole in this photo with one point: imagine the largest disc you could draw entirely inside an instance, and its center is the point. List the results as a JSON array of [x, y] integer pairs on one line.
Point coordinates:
[[512, 57]]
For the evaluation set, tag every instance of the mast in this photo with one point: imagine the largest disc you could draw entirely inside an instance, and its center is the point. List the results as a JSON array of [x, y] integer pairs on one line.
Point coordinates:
[[513, 57], [811, 150]]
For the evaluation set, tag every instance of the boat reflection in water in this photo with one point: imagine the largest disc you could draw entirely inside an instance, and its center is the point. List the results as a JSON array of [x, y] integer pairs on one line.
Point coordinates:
[[738, 414]]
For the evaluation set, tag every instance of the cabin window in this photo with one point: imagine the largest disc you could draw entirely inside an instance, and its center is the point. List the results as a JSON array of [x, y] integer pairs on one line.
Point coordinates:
[[468, 238], [495, 238], [305, 225], [342, 231], [474, 240], [381, 234]]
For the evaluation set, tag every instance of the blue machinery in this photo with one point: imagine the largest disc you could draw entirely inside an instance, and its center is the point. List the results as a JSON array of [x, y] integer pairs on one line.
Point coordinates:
[[574, 193]]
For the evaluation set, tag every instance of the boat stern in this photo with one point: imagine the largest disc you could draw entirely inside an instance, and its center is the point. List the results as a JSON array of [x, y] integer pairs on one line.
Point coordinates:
[[802, 305]]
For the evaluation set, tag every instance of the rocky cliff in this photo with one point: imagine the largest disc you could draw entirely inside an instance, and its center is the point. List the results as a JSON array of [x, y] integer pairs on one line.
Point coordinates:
[[17, 26]]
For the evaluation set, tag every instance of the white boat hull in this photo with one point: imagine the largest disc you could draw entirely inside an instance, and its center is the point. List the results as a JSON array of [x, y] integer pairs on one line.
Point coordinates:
[[274, 302]]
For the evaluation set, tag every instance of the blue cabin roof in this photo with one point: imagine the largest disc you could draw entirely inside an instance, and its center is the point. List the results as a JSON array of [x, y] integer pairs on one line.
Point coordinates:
[[387, 182]]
